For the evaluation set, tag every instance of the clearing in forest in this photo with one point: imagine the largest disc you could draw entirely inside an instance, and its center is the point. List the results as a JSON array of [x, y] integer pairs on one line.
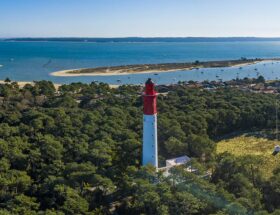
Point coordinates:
[[254, 145]]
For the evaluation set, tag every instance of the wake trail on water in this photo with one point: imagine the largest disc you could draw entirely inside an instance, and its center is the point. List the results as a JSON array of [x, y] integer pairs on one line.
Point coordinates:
[[48, 63]]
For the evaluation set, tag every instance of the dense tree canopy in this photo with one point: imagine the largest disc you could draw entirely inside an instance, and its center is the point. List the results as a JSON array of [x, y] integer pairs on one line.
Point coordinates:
[[78, 151]]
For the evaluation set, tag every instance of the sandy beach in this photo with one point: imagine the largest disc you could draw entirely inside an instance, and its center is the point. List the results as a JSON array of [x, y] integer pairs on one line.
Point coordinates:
[[154, 68], [74, 72], [252, 63], [71, 73]]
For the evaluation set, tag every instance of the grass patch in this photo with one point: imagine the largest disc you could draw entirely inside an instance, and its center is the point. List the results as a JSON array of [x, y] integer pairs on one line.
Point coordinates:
[[254, 145]]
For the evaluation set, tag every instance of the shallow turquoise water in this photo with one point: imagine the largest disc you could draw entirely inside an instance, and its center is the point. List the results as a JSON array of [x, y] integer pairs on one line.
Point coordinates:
[[28, 61]]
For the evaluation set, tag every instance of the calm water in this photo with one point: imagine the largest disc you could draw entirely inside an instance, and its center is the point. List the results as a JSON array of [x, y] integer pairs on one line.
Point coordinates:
[[28, 61]]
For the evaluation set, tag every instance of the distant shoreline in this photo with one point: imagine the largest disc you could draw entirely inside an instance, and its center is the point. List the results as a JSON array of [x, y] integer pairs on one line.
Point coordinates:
[[141, 39], [156, 68]]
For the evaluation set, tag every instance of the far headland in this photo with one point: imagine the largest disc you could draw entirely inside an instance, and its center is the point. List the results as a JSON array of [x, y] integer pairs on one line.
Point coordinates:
[[158, 68]]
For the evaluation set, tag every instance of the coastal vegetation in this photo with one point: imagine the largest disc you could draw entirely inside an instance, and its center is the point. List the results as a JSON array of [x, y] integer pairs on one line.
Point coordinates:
[[77, 150]]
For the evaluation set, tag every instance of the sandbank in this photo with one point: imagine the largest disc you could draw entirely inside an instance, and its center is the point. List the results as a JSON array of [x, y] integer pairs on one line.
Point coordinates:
[[156, 68]]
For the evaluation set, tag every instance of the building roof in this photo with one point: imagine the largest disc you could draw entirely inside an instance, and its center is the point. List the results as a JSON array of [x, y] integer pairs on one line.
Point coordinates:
[[177, 161]]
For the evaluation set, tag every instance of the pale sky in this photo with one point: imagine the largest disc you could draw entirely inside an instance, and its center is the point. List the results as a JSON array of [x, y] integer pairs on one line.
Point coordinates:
[[143, 18]]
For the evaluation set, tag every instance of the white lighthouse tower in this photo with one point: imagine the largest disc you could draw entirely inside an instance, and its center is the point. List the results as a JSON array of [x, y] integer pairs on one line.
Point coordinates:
[[150, 145]]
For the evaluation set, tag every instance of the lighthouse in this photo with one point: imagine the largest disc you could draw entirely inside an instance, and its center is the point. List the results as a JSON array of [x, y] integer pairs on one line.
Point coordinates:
[[150, 145]]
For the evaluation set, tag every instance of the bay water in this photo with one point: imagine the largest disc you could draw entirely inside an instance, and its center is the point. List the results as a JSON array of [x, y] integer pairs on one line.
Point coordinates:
[[29, 61]]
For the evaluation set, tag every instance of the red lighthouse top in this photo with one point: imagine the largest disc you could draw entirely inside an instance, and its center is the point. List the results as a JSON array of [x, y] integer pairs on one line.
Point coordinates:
[[150, 100]]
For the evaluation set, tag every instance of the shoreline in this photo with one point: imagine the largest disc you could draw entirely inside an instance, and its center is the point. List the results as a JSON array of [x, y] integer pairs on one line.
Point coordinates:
[[156, 68], [21, 84], [68, 73]]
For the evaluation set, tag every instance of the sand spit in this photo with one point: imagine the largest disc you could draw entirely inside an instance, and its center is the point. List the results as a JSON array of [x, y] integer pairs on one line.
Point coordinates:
[[156, 68]]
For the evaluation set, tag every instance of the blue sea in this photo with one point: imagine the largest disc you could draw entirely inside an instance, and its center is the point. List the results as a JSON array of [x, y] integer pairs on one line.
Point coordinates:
[[28, 61]]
